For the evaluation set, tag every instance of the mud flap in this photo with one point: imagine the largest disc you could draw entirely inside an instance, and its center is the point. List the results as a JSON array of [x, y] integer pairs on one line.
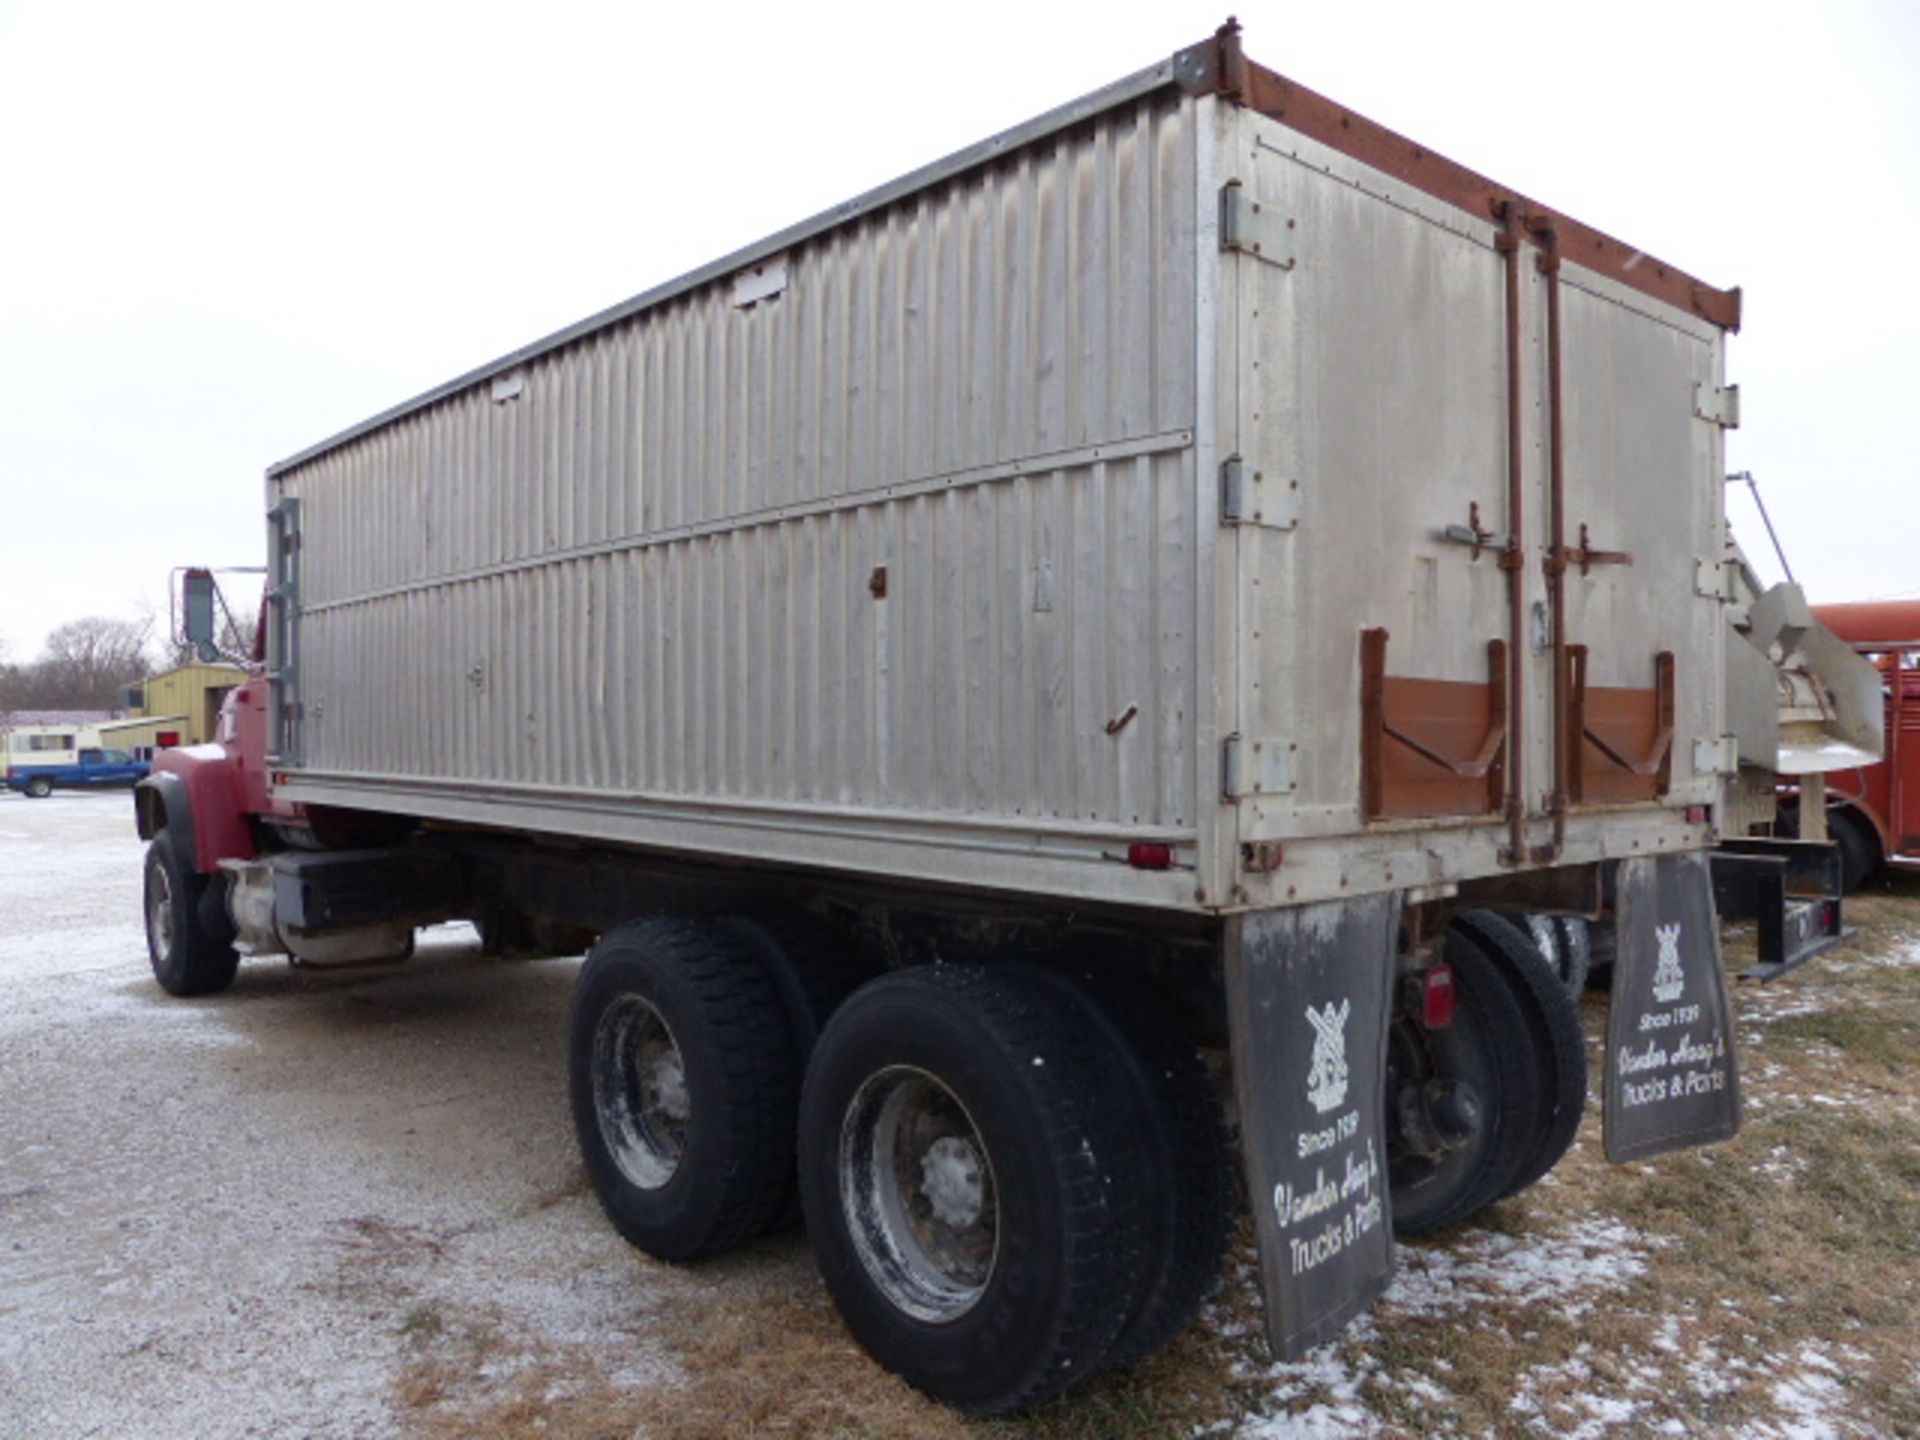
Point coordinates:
[[1309, 993], [1672, 1077]]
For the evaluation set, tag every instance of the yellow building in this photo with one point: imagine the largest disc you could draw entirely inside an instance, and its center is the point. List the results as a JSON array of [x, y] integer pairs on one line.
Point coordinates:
[[192, 691]]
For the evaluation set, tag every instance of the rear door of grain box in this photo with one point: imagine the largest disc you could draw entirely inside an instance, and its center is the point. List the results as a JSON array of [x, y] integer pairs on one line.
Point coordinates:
[[1397, 659]]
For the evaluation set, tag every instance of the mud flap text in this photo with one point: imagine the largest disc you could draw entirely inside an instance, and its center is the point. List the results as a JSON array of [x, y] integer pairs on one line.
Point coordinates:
[[1672, 1079], [1308, 994]]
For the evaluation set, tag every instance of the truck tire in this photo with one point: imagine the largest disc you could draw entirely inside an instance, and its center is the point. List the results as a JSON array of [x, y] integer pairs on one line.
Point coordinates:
[[812, 974], [1562, 941], [1487, 1056], [971, 1188], [1187, 1184], [189, 938], [1559, 1045], [1859, 847], [682, 1083], [1576, 953], [39, 787]]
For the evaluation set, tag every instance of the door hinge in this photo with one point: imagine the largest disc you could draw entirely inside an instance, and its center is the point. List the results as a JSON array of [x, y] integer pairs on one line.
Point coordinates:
[[1251, 497], [1713, 580], [1720, 404], [1719, 755], [1253, 228], [1255, 767]]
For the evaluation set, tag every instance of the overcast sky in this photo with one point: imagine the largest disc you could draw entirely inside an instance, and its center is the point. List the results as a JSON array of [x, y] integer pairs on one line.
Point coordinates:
[[229, 231]]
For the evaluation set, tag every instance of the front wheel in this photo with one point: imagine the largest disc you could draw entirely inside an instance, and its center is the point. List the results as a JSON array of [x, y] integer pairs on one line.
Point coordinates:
[[189, 939]]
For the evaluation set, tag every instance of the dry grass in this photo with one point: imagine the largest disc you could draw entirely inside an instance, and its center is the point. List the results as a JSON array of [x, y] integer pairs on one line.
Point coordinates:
[[1728, 1291]]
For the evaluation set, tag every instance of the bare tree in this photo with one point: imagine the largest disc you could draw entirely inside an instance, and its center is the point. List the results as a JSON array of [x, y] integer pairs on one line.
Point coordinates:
[[86, 665]]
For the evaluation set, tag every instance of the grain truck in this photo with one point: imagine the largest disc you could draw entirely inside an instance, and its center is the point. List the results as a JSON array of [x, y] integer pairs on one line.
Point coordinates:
[[1173, 577]]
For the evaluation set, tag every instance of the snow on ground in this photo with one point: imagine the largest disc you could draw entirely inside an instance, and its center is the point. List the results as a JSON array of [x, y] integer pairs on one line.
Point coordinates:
[[1321, 1396], [1593, 1259], [225, 1217]]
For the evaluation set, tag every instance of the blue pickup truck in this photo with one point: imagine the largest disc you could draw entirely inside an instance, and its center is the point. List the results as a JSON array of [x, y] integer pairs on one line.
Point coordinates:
[[94, 770]]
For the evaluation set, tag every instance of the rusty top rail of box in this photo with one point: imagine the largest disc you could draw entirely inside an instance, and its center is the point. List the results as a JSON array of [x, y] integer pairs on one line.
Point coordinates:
[[1219, 67], [1216, 66]]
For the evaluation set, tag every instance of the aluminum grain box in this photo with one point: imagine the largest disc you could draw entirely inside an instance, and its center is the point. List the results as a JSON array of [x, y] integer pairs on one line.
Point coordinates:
[[1177, 470]]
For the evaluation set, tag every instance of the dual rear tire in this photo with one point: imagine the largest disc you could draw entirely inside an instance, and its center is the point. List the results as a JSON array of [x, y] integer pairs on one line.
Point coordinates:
[[1008, 1183], [1513, 1065], [1012, 1177]]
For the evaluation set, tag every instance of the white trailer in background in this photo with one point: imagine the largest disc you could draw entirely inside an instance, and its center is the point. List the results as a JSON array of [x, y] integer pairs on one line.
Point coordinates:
[[1163, 577]]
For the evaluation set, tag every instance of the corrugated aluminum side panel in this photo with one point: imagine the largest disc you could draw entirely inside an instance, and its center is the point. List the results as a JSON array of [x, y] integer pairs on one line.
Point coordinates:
[[642, 566]]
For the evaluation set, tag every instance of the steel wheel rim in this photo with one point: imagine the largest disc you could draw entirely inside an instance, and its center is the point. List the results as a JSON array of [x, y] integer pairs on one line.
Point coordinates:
[[918, 1193], [159, 912], [640, 1092]]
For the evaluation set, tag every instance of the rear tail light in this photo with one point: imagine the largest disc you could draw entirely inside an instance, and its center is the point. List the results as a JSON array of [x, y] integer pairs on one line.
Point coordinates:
[[1698, 814], [1150, 855], [1436, 997]]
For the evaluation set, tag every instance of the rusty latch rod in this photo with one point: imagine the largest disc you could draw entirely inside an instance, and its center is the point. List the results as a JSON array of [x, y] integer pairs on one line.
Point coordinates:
[[1586, 557], [1476, 535]]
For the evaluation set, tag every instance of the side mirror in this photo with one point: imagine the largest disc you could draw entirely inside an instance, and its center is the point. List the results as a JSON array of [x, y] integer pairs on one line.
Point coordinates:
[[196, 612]]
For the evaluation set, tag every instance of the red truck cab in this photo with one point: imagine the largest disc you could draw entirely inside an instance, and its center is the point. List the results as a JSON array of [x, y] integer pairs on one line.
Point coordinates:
[[1886, 796], [217, 791]]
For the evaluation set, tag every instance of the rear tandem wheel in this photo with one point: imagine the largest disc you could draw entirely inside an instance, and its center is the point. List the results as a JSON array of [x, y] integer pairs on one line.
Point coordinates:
[[1487, 1105], [1465, 1099], [973, 1194], [682, 1080]]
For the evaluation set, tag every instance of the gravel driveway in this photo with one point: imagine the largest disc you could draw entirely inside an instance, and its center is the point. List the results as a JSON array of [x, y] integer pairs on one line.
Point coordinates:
[[348, 1205], [241, 1215]]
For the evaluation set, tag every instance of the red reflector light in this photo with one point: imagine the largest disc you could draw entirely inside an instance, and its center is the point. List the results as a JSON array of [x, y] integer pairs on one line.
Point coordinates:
[[1697, 814], [1436, 997], [1149, 855]]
